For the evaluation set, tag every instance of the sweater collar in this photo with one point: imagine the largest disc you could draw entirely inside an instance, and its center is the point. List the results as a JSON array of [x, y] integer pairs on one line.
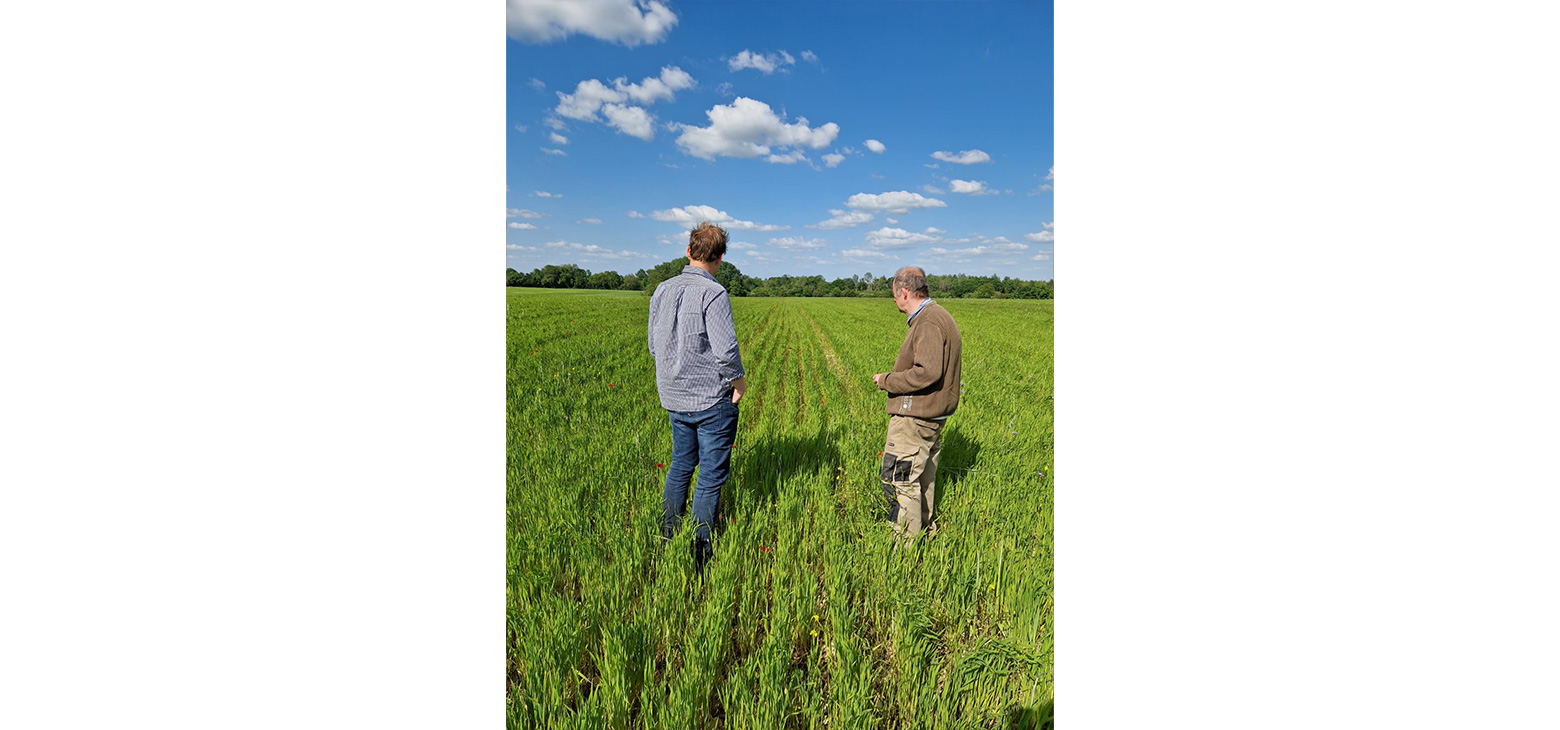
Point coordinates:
[[918, 309]]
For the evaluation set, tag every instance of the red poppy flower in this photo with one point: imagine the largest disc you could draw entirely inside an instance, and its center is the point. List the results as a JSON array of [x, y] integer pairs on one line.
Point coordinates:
[[660, 466], [880, 453]]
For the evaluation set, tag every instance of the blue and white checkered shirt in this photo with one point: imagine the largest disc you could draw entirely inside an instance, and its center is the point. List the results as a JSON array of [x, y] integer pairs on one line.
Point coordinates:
[[694, 341]]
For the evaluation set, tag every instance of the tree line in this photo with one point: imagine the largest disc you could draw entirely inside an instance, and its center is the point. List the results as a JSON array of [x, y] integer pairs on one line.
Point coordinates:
[[946, 286]]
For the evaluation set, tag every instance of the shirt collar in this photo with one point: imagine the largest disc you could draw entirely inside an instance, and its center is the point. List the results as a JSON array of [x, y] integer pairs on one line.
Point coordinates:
[[924, 302], [691, 269]]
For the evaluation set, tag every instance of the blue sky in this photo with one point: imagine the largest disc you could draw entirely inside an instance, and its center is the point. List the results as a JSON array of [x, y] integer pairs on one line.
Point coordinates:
[[833, 138]]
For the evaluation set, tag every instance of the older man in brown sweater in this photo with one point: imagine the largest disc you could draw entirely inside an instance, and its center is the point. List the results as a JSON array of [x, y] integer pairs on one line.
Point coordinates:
[[923, 391]]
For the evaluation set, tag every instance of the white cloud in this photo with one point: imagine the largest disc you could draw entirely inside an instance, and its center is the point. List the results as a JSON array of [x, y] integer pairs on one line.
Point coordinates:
[[933, 230], [537, 84], [743, 246], [766, 63], [690, 215], [626, 22], [970, 187], [1051, 173], [589, 221], [891, 221], [518, 247], [724, 88], [747, 128], [592, 251], [833, 160], [522, 226], [1045, 187], [962, 255], [558, 138], [633, 121], [545, 194], [862, 253], [635, 214], [930, 165], [845, 219], [897, 202], [933, 189], [966, 157], [1042, 256], [551, 151], [522, 213], [554, 122], [897, 238], [1046, 236], [592, 96], [809, 57], [797, 243], [789, 158], [875, 146], [520, 128]]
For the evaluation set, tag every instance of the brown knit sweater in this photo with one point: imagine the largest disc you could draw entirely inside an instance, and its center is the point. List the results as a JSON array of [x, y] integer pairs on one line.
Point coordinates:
[[925, 380]]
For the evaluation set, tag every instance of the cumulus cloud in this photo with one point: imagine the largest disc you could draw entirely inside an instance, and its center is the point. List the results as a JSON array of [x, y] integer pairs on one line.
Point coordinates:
[[845, 219], [593, 251], [862, 253], [933, 189], [875, 146], [690, 215], [592, 96], [633, 121], [809, 57], [522, 213], [537, 83], [748, 128], [897, 202], [966, 157], [964, 255], [934, 230], [625, 22], [522, 226], [743, 246], [1042, 256], [558, 138], [635, 214], [891, 221], [518, 247], [970, 187], [520, 128], [551, 151], [797, 243], [1045, 236], [589, 221], [545, 194], [554, 122], [789, 158], [897, 238], [833, 159], [766, 63]]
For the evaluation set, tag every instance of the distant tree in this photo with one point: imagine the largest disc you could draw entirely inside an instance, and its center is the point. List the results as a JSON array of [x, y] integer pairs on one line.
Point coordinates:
[[515, 278], [630, 282], [986, 291]]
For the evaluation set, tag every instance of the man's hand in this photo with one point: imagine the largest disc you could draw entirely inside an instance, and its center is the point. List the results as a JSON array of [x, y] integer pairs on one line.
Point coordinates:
[[738, 387], [877, 379]]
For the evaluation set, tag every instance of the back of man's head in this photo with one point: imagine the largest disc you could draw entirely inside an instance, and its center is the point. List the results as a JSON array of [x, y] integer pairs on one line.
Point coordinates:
[[707, 242], [912, 279]]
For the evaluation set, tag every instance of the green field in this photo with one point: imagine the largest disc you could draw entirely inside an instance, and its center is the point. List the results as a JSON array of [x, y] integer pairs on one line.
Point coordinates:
[[807, 617]]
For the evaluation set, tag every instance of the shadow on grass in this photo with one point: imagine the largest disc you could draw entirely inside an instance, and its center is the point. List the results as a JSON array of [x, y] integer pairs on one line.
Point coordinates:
[[759, 468], [959, 455], [1031, 718]]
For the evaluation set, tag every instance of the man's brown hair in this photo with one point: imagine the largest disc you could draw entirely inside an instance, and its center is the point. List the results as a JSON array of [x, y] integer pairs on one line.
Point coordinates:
[[913, 280], [707, 242]]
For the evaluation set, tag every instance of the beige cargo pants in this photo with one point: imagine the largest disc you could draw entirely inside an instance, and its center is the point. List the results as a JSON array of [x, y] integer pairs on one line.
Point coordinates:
[[910, 472]]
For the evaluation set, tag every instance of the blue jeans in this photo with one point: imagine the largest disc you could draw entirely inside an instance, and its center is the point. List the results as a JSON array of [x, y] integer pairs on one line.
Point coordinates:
[[702, 439]]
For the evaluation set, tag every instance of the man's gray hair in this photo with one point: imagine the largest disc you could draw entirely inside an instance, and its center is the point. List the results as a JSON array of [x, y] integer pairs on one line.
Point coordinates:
[[912, 279]]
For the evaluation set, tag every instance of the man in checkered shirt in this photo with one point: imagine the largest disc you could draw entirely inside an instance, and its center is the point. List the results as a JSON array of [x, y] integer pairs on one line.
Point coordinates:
[[698, 371]]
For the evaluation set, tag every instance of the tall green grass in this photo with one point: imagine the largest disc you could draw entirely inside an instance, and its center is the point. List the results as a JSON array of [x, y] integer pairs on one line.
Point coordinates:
[[808, 616]]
